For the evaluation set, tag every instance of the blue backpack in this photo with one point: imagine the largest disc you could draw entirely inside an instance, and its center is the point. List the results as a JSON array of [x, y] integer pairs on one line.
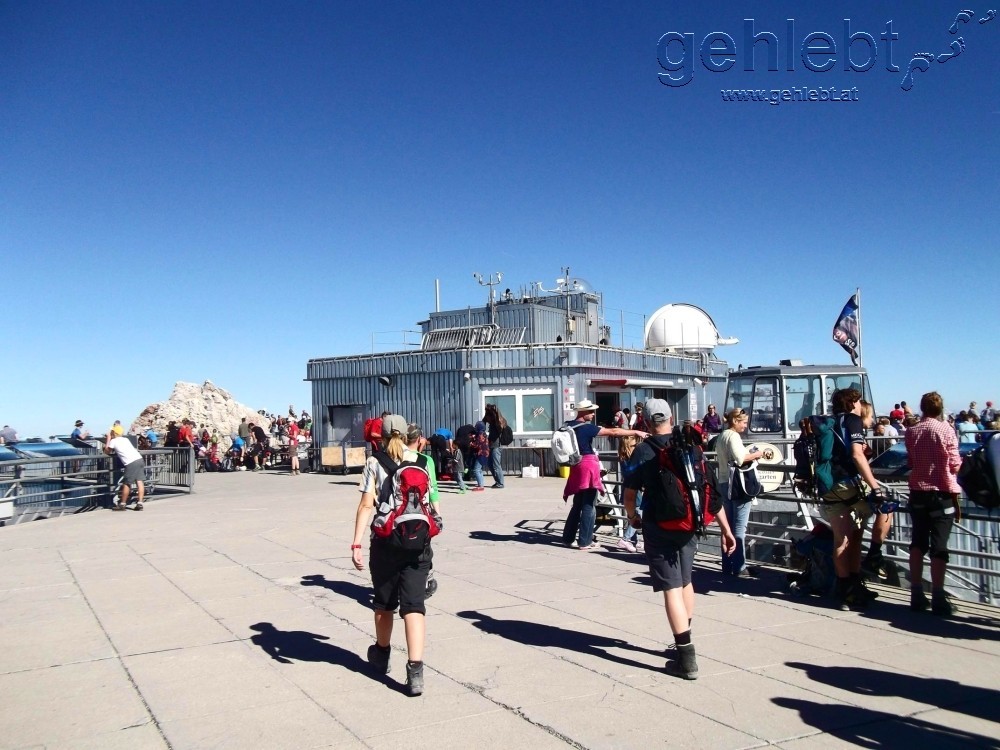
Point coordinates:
[[828, 468]]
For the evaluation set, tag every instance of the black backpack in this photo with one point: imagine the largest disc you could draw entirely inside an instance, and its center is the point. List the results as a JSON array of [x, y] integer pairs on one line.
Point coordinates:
[[978, 478]]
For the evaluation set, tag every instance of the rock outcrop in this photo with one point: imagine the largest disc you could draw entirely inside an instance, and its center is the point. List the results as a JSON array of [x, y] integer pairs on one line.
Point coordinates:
[[205, 404]]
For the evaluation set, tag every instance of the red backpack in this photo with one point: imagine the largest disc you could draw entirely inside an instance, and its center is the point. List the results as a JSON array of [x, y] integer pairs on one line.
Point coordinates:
[[682, 488], [403, 513], [373, 430]]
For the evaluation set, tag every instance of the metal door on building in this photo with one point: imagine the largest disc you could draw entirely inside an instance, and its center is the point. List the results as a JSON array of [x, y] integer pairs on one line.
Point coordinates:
[[347, 425]]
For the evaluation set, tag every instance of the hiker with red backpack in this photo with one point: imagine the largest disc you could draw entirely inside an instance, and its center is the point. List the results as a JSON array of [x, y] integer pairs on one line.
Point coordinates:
[[397, 485], [680, 498]]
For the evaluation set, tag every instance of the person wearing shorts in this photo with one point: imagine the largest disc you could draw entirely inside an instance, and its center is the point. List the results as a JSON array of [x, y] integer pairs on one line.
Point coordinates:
[[845, 507], [932, 452], [669, 553], [134, 466], [399, 577]]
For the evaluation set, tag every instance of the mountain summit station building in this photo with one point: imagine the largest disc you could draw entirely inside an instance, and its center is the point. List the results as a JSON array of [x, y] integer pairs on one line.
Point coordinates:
[[533, 356]]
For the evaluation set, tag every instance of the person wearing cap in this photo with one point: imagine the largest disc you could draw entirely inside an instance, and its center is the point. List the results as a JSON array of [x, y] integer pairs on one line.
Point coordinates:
[[669, 553], [399, 577], [134, 466], [78, 432], [585, 478]]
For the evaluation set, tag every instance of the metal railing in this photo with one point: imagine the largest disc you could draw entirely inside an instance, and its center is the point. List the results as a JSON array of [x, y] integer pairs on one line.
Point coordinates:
[[780, 518], [33, 488]]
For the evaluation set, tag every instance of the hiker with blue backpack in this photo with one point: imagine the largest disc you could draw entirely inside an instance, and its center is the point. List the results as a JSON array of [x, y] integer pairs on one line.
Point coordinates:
[[398, 485], [843, 489], [932, 452]]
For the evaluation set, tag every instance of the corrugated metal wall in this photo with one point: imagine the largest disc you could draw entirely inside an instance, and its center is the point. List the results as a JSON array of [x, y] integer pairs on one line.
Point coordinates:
[[431, 389]]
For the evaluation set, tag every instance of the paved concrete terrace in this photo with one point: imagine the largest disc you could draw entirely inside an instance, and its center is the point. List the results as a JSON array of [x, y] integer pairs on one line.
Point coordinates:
[[234, 618]]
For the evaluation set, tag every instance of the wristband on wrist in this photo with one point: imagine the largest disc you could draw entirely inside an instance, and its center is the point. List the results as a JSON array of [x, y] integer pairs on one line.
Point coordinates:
[[355, 546]]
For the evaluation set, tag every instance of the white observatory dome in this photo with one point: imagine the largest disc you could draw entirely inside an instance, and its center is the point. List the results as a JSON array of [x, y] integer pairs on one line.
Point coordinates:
[[682, 328]]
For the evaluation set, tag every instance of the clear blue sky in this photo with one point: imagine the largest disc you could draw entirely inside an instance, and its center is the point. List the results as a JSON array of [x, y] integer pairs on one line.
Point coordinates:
[[221, 191]]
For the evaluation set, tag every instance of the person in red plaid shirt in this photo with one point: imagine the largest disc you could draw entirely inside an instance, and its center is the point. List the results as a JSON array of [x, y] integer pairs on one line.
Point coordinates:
[[932, 452]]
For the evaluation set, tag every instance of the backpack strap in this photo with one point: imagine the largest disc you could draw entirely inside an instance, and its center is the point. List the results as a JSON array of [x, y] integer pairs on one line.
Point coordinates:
[[388, 464]]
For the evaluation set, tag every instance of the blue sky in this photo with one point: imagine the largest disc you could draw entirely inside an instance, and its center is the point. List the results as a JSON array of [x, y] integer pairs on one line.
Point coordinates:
[[222, 191]]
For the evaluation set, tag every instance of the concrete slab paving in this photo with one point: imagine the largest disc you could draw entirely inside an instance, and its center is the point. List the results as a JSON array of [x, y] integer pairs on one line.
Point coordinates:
[[233, 617]]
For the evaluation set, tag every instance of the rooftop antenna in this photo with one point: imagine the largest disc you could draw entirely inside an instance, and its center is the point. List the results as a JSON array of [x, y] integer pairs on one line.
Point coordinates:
[[490, 283]]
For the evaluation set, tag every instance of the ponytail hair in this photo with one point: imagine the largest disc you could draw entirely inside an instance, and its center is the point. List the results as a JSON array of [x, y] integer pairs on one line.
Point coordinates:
[[394, 446]]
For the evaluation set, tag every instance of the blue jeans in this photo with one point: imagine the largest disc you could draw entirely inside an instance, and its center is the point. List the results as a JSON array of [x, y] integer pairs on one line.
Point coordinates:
[[477, 471], [738, 515], [581, 518], [495, 469]]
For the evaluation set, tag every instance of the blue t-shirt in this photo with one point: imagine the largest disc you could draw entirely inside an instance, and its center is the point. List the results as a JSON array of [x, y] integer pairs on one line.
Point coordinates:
[[585, 434], [76, 433], [445, 433], [238, 443]]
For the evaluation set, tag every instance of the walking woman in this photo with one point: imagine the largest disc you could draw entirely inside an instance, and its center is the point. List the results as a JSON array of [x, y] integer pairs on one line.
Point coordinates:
[[495, 421], [730, 450], [399, 577]]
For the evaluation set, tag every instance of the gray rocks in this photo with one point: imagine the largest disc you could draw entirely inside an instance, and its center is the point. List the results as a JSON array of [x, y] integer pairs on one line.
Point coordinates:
[[205, 404]]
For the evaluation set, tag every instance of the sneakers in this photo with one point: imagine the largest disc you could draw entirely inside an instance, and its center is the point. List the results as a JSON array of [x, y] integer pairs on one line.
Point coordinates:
[[379, 658], [478, 489], [588, 548], [626, 545], [496, 487], [461, 490], [640, 546], [918, 600], [415, 677]]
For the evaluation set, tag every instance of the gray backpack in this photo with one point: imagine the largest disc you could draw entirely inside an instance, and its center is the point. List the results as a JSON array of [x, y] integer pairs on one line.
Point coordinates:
[[565, 448]]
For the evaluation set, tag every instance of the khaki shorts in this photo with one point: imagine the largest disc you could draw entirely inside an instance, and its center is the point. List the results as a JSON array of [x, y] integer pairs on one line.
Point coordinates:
[[858, 509]]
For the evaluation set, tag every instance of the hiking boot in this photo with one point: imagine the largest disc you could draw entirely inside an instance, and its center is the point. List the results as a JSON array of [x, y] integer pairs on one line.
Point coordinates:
[[918, 600], [941, 606], [872, 565], [686, 665], [379, 658], [864, 592], [854, 600], [415, 677]]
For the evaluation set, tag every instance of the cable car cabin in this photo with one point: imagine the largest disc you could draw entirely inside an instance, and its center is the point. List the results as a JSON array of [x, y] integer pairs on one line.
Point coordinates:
[[777, 396]]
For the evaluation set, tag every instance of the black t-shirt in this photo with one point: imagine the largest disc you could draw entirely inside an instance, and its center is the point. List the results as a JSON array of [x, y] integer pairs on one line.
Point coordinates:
[[851, 428], [258, 433], [645, 462]]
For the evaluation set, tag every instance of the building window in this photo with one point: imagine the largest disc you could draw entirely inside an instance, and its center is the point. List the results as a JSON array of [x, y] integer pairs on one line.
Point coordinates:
[[527, 411]]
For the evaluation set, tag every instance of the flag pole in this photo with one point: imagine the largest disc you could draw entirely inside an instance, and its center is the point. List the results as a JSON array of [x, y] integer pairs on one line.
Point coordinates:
[[860, 338]]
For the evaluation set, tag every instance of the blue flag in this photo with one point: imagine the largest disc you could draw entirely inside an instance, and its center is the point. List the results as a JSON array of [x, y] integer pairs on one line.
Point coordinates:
[[847, 329]]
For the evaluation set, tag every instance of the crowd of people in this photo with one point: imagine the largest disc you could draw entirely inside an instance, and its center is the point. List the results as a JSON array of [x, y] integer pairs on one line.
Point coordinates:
[[655, 472]]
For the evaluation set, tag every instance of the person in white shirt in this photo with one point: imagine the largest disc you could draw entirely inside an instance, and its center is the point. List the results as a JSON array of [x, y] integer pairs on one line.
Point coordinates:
[[135, 466]]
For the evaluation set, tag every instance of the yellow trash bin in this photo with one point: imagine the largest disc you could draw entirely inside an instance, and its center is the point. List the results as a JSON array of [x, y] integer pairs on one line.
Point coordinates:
[[564, 472]]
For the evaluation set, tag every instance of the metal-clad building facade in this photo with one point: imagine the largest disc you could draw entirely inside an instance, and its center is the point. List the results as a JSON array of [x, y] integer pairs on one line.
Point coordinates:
[[534, 357]]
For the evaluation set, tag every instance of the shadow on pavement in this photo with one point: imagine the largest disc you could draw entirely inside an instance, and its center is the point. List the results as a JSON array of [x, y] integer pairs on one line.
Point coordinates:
[[360, 594], [982, 703], [289, 646], [550, 538], [547, 636]]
